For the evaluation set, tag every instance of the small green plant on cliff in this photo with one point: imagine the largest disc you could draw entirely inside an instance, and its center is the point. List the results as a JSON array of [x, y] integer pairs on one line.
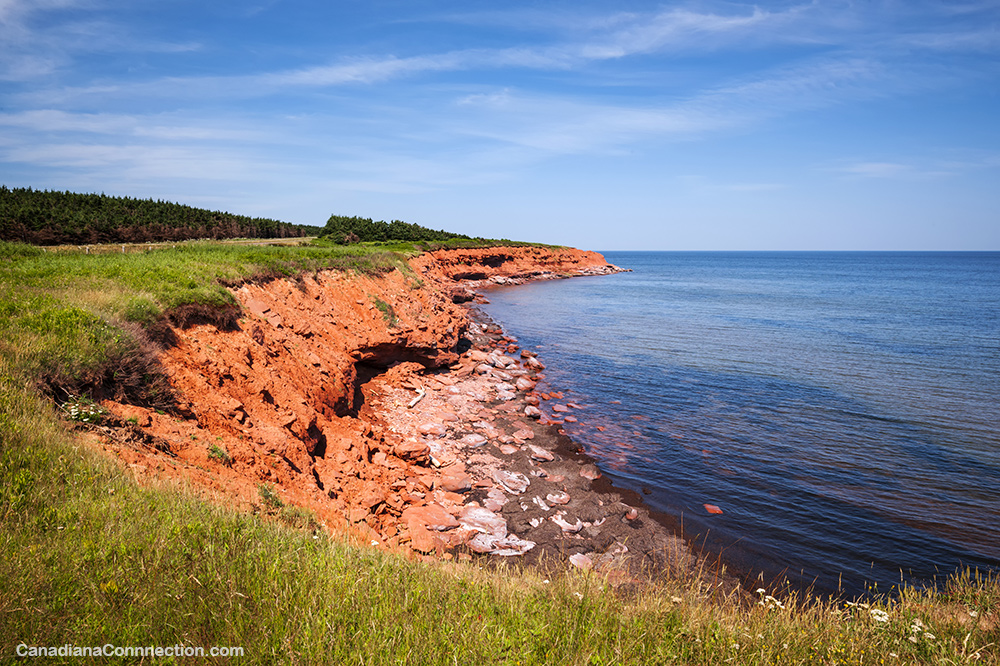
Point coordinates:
[[219, 454], [267, 496], [387, 312]]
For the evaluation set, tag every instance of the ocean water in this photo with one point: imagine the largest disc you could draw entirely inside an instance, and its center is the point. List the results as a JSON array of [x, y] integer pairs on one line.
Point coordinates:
[[842, 409]]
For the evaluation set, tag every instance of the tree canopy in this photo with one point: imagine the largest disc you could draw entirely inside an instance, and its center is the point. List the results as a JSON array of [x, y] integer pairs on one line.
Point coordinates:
[[41, 217], [343, 229]]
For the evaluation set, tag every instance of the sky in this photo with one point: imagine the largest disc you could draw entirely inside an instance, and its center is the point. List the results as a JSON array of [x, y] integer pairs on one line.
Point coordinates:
[[824, 125]]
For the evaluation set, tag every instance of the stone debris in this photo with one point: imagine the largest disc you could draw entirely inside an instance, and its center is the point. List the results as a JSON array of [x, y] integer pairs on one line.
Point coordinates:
[[430, 516], [541, 504], [412, 450], [483, 520], [513, 482], [495, 500], [436, 429], [558, 498], [435, 474], [507, 546], [581, 561], [473, 441], [540, 454], [566, 526], [524, 385]]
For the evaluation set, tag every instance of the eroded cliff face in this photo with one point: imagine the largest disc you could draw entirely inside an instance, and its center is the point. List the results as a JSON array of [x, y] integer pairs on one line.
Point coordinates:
[[514, 263], [313, 397]]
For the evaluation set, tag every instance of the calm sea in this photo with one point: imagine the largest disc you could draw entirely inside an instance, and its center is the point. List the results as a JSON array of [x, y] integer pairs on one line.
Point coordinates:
[[842, 409]]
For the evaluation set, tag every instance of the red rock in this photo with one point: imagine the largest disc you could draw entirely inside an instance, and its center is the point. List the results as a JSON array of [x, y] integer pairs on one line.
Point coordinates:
[[432, 428], [423, 540], [473, 440], [532, 400], [524, 433], [540, 454], [569, 419], [590, 472], [430, 516], [483, 520], [544, 396], [532, 412], [513, 482], [560, 408], [456, 481], [448, 417], [534, 364], [371, 497], [523, 384], [581, 561], [601, 428], [412, 450], [711, 508], [573, 405]]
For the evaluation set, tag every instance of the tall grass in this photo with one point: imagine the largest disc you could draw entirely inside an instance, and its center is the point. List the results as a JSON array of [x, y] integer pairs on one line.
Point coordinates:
[[90, 558]]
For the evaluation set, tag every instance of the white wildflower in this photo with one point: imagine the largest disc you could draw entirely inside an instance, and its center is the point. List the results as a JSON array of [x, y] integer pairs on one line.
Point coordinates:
[[879, 615]]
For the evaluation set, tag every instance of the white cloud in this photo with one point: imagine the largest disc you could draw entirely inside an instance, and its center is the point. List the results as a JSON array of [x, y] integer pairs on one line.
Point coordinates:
[[877, 169]]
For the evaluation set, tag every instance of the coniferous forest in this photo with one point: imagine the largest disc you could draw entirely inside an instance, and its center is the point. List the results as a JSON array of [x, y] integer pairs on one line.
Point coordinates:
[[41, 217], [343, 229]]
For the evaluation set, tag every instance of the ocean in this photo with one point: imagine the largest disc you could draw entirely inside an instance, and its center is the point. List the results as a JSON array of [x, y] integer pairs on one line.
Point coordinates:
[[842, 409]]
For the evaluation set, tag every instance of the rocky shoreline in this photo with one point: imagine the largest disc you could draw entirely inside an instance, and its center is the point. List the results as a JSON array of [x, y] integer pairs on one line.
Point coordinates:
[[512, 483], [394, 411]]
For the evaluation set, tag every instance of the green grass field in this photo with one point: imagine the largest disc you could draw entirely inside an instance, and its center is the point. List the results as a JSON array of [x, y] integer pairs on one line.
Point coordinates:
[[91, 558]]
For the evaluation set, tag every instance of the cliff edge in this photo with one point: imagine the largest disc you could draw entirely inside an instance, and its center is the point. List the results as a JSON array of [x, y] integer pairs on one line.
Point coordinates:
[[389, 411]]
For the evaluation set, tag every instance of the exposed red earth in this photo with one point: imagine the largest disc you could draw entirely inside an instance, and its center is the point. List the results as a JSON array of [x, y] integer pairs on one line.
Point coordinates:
[[395, 414]]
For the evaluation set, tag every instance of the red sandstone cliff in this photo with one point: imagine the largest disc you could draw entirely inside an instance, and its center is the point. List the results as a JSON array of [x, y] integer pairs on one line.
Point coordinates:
[[285, 397]]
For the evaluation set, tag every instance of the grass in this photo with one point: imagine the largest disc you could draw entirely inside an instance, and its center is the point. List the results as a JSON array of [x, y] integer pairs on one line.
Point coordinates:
[[88, 557], [75, 322]]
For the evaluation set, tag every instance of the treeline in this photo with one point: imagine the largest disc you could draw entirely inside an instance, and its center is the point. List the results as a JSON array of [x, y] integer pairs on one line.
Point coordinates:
[[342, 229], [66, 218]]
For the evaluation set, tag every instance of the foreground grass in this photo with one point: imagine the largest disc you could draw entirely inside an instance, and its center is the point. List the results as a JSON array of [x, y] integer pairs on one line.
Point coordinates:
[[87, 557]]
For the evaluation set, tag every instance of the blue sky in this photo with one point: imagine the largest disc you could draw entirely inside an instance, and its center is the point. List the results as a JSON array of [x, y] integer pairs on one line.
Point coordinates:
[[628, 125]]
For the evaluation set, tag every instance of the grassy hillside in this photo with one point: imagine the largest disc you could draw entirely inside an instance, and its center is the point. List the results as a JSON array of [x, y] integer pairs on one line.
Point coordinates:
[[66, 218], [88, 557]]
